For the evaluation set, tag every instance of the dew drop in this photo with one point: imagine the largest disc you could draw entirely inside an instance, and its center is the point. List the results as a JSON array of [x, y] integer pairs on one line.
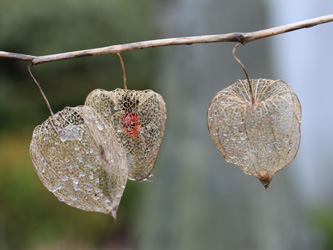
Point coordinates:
[[91, 176], [56, 187], [80, 158], [75, 180], [76, 187], [74, 197], [61, 199], [71, 166], [64, 177], [82, 174], [95, 197], [100, 126]]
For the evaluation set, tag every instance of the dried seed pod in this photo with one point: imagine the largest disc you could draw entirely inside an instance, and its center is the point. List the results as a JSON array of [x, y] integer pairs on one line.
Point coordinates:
[[138, 118], [261, 137], [78, 158]]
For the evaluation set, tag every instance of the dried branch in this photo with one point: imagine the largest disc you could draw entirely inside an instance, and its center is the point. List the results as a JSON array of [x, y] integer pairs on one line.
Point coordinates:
[[230, 37]]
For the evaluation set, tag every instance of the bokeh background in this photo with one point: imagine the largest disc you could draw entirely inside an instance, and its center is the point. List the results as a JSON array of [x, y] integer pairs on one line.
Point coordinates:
[[198, 201]]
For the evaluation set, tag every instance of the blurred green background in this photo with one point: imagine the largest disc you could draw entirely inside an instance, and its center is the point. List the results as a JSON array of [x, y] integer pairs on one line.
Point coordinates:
[[30, 216]]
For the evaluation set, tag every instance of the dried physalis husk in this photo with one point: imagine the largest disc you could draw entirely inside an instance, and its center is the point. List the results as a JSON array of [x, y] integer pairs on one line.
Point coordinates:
[[78, 159], [138, 118], [260, 138]]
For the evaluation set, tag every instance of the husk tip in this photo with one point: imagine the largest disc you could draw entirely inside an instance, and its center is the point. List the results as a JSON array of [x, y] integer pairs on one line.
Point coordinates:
[[113, 212], [265, 178]]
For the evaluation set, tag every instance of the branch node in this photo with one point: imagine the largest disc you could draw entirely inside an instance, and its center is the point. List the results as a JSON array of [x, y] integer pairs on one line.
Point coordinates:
[[241, 39]]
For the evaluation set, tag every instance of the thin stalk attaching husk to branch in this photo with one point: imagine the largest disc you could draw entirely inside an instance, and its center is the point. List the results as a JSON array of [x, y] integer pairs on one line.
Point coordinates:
[[124, 72], [240, 37], [249, 81]]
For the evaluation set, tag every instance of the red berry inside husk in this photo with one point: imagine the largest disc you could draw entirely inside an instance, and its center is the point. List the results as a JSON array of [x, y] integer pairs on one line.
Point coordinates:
[[131, 124], [138, 117]]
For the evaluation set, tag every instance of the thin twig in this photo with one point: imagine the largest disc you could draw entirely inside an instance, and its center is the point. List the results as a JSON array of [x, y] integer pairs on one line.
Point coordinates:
[[247, 75], [123, 68], [230, 37], [40, 89], [18, 56]]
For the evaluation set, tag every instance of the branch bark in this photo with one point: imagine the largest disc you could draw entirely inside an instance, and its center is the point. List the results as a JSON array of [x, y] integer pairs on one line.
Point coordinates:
[[240, 37]]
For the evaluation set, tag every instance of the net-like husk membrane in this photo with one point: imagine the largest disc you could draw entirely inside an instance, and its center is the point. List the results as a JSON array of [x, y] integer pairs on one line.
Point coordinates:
[[142, 150], [78, 158], [262, 138]]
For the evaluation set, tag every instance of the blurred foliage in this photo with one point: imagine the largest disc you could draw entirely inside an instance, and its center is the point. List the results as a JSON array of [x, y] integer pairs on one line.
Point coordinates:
[[29, 214], [322, 218]]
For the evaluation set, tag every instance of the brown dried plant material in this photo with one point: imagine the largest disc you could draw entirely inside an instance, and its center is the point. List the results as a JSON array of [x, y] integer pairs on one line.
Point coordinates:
[[260, 138], [138, 118], [78, 159]]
